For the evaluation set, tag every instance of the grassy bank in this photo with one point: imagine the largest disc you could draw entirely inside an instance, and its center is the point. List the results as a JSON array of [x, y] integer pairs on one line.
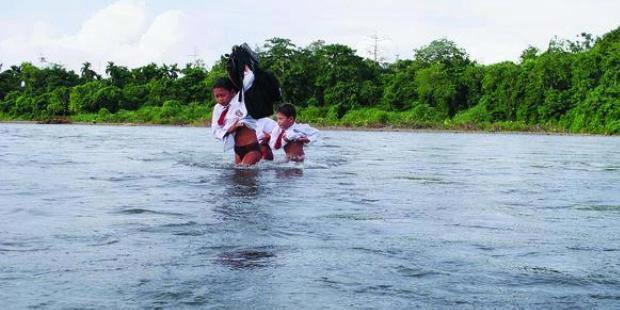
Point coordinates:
[[371, 118], [421, 118]]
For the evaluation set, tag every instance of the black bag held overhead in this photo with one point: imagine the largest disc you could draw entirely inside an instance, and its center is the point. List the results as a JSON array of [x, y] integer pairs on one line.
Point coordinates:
[[241, 56], [264, 93]]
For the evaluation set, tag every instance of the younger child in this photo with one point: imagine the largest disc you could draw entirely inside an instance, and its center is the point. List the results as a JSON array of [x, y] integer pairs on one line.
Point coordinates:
[[289, 135]]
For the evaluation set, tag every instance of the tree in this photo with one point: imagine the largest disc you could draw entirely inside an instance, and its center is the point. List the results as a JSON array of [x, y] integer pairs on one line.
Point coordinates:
[[84, 98], [400, 90], [338, 65], [500, 97], [278, 54], [87, 74], [191, 85], [437, 89], [9, 81], [147, 73], [443, 51], [529, 53], [119, 75], [585, 41], [59, 101]]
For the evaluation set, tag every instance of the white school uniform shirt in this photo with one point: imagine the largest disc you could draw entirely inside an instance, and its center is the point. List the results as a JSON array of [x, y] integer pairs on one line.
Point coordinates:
[[236, 111], [264, 125], [296, 131]]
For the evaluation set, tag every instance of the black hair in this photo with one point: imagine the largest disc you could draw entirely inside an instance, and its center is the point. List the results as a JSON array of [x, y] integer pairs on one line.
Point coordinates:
[[287, 109], [224, 83]]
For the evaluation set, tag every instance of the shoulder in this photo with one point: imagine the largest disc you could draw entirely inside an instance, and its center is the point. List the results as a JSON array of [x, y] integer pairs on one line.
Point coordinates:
[[269, 123], [307, 130], [300, 126]]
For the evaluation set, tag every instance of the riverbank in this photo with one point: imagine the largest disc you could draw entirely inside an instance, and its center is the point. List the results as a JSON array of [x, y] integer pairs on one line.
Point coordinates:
[[491, 128], [369, 119]]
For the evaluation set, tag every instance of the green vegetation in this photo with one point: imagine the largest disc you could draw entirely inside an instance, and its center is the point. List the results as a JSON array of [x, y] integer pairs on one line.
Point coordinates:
[[572, 86]]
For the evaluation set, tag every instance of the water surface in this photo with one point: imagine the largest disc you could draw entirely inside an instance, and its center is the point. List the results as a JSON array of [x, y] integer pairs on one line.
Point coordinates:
[[143, 217]]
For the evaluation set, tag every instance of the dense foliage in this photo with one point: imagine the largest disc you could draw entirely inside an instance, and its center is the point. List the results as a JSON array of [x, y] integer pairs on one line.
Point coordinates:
[[571, 86]]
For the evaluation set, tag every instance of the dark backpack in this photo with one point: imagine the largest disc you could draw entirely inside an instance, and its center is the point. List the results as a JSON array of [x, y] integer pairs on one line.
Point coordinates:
[[264, 93]]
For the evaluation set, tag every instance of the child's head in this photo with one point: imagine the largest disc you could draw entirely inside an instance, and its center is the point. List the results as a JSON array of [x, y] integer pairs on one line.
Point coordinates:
[[223, 91], [285, 115]]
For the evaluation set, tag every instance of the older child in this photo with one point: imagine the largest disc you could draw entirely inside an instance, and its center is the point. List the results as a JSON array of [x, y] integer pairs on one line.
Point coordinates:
[[231, 124], [289, 135]]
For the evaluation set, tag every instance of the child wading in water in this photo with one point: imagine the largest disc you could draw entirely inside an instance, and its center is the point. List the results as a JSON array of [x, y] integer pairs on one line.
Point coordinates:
[[231, 123], [289, 135]]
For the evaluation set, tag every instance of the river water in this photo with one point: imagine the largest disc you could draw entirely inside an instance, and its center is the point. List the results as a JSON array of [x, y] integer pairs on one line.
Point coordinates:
[[147, 217]]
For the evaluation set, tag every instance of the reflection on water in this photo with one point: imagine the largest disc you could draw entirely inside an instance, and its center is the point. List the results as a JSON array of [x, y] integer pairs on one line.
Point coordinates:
[[289, 173], [247, 258], [241, 188], [242, 182], [370, 220]]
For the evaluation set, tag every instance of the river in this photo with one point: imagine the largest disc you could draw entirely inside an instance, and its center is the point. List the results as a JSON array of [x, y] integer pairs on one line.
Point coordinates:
[[147, 217]]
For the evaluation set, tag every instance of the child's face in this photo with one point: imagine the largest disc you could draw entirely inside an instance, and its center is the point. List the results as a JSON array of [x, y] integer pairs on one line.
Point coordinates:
[[284, 121], [222, 95]]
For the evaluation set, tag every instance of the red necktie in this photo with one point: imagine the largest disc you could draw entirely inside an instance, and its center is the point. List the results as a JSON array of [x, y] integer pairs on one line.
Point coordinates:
[[279, 140], [220, 121]]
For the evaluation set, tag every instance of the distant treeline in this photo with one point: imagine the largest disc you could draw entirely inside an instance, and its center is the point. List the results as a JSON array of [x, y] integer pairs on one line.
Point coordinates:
[[571, 86]]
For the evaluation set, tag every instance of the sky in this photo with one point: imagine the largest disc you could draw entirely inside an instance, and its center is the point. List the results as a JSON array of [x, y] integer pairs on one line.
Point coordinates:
[[138, 32]]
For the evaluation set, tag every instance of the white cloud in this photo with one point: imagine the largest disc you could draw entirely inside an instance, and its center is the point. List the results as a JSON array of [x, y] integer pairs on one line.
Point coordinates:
[[120, 32], [168, 31], [120, 23], [136, 32]]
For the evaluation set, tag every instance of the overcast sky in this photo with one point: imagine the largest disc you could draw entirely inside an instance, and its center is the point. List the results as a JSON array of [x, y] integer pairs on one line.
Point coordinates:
[[136, 32]]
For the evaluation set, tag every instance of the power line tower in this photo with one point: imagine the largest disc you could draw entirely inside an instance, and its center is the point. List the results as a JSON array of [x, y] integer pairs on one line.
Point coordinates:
[[375, 50], [196, 60], [44, 62]]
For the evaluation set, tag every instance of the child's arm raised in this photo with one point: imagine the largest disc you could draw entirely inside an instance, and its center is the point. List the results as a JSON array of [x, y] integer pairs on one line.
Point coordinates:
[[307, 134]]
